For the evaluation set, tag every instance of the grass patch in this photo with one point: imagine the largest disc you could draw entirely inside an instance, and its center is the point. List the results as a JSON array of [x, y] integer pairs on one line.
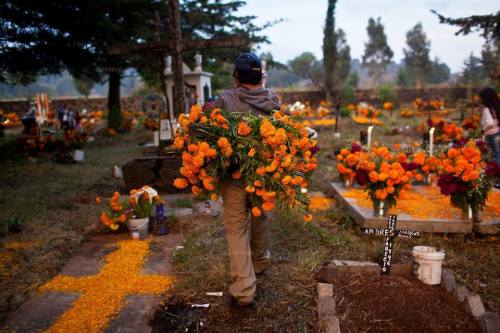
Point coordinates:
[[55, 204], [182, 203]]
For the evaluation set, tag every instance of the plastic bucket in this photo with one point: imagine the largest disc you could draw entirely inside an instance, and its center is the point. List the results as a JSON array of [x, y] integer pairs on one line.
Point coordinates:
[[139, 225], [428, 264], [79, 155]]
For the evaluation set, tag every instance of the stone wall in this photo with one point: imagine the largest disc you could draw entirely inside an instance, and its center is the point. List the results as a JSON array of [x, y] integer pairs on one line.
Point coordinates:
[[20, 106], [313, 96], [404, 95]]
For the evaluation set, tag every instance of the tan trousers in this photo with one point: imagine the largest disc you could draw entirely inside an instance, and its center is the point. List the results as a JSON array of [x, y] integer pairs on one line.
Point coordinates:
[[248, 241]]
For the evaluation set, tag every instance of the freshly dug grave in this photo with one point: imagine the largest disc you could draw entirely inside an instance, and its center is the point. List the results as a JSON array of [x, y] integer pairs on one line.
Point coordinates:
[[398, 304]]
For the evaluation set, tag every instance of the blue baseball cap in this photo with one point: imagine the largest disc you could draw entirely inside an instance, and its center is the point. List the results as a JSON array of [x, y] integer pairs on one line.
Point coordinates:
[[248, 62]]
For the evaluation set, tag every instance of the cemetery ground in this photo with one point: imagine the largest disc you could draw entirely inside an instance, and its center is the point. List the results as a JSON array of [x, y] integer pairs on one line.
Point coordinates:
[[56, 205]]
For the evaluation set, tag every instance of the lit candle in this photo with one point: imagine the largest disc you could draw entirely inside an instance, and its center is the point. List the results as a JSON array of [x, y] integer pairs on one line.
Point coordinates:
[[431, 140], [369, 139]]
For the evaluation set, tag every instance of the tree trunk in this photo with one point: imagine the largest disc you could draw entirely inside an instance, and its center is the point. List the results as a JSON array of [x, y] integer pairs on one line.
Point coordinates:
[[114, 107], [179, 101]]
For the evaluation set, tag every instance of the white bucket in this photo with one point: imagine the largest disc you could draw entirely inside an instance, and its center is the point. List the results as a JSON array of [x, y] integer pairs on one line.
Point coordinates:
[[139, 225], [429, 262], [79, 155]]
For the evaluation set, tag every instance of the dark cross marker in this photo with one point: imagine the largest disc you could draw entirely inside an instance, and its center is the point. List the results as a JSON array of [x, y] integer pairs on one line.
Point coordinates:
[[389, 235]]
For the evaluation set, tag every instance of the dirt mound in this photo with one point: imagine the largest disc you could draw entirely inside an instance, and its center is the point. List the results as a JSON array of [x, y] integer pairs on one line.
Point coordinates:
[[398, 304]]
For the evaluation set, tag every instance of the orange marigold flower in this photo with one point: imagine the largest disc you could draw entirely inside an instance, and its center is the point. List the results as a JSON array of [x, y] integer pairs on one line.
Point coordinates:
[[256, 212], [268, 206], [223, 142], [244, 129], [308, 218], [208, 184], [198, 161], [251, 152], [236, 174], [98, 200], [261, 171], [381, 194], [179, 142], [250, 189], [181, 183], [196, 190], [257, 183]]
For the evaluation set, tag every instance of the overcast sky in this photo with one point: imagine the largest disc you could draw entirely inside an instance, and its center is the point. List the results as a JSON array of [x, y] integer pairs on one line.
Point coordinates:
[[302, 29]]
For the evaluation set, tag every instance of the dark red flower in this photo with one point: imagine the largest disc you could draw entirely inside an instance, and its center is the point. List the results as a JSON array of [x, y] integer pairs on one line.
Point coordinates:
[[492, 169], [361, 177], [355, 148]]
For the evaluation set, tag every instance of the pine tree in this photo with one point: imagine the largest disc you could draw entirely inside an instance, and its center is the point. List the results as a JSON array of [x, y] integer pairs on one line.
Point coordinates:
[[416, 55], [439, 73], [491, 60], [473, 73], [329, 48], [378, 54]]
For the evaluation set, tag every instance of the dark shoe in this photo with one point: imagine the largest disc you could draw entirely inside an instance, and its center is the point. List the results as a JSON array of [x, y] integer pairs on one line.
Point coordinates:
[[234, 303]]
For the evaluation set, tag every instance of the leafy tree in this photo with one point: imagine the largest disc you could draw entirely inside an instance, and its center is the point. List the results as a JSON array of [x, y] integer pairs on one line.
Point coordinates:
[[405, 78], [201, 19], [83, 86], [45, 37], [329, 48], [416, 55], [487, 25], [491, 60], [489, 28], [304, 66], [343, 64], [353, 80], [439, 73], [378, 54], [473, 73]]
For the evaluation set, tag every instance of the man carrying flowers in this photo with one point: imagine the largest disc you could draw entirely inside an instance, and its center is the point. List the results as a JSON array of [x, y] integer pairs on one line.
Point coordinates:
[[248, 239]]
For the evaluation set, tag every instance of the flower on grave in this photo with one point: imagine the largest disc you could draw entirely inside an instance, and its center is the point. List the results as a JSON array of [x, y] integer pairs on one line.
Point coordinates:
[[138, 205], [466, 177]]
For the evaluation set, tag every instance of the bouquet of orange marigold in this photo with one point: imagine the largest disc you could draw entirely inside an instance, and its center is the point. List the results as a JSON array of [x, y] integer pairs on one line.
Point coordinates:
[[272, 155], [347, 162], [467, 179], [386, 178]]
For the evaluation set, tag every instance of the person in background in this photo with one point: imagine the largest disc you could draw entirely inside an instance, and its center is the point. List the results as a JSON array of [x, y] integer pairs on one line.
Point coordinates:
[[489, 121], [248, 239]]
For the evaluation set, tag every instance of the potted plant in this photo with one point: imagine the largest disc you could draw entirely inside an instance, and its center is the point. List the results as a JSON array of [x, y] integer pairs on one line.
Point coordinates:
[[134, 212], [140, 208]]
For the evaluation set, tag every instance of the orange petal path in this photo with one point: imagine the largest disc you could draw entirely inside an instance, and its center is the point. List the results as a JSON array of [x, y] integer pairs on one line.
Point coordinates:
[[103, 295]]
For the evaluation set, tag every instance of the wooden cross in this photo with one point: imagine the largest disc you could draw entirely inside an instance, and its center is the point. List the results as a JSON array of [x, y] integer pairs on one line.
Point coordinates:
[[103, 295], [176, 48], [389, 233]]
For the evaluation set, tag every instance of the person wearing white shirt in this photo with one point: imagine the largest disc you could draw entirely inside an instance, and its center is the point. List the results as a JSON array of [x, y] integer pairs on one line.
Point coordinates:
[[489, 121]]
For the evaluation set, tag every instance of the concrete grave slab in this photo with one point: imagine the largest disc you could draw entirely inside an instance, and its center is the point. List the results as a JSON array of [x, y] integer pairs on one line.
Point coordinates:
[[364, 217], [38, 313]]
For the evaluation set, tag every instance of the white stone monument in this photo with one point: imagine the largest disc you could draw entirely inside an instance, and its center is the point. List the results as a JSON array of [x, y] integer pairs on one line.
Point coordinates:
[[198, 83]]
